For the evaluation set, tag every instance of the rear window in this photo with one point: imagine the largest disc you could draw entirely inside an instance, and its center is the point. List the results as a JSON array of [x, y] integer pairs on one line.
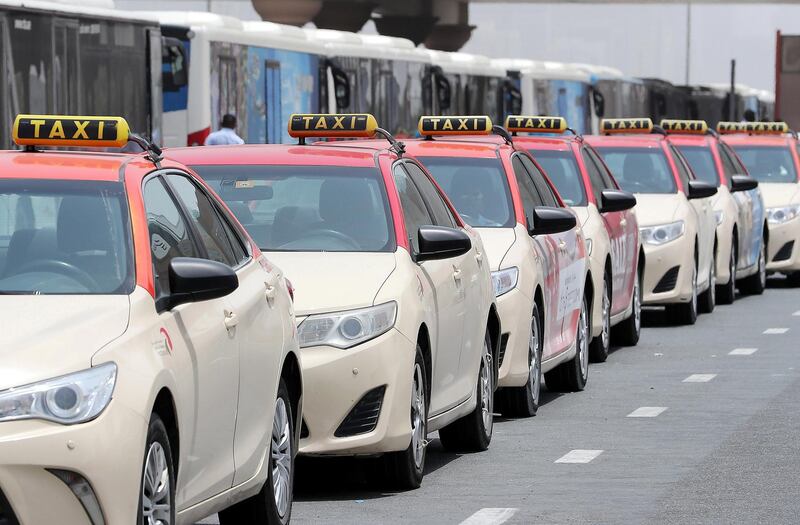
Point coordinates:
[[307, 208], [478, 188], [562, 169], [768, 163], [640, 170], [702, 163]]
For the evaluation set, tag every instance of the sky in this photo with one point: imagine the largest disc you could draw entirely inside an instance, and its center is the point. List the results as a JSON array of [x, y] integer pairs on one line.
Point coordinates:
[[643, 40]]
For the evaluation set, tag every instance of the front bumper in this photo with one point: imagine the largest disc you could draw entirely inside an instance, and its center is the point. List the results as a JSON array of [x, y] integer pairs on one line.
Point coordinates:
[[661, 264], [788, 256], [515, 310], [108, 452], [336, 380]]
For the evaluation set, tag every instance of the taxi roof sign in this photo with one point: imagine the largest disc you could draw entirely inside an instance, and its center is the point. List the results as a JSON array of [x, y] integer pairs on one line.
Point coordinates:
[[70, 130], [685, 127], [535, 124], [455, 125], [726, 128], [626, 125], [351, 125], [765, 128]]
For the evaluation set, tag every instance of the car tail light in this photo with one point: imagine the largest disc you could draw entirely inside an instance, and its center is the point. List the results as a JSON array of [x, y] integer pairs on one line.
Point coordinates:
[[290, 288]]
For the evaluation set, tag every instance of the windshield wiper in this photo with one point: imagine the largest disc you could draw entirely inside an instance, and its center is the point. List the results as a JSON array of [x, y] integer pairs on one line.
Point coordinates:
[[20, 292]]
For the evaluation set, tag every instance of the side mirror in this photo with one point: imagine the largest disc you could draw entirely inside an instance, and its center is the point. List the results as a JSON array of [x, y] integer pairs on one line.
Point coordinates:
[[548, 220], [194, 280], [616, 200], [743, 183], [436, 242], [700, 190]]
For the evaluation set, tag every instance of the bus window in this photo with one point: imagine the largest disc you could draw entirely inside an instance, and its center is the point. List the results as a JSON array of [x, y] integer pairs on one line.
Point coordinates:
[[175, 64]]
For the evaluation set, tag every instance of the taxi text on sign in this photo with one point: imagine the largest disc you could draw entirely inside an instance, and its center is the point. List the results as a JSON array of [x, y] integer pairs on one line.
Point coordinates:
[[626, 125], [456, 125], [345, 125], [45, 130], [533, 124]]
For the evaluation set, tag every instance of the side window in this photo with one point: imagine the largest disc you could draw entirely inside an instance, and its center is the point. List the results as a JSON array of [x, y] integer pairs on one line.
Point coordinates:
[[730, 163], [441, 213], [169, 235], [415, 213], [205, 219], [598, 185], [608, 181], [239, 252], [684, 172], [527, 191], [545, 192]]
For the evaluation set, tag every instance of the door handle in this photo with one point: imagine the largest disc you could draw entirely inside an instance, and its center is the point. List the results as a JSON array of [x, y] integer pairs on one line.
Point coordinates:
[[457, 273], [623, 222], [231, 320], [562, 245], [479, 256], [272, 290]]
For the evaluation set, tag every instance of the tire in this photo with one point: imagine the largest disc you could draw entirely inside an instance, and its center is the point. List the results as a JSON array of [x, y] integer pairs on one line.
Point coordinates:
[[708, 299], [273, 504], [685, 313], [473, 432], [756, 283], [524, 401], [572, 375], [598, 350], [157, 459], [404, 470], [628, 331], [726, 293]]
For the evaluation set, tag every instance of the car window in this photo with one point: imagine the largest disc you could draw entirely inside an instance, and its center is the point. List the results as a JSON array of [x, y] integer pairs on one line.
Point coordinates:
[[684, 173], [738, 166], [478, 188], [169, 236], [608, 180], [307, 208], [639, 170], [730, 164], [527, 190], [436, 205], [544, 189], [415, 213], [702, 162], [594, 175], [768, 163], [562, 169], [205, 219]]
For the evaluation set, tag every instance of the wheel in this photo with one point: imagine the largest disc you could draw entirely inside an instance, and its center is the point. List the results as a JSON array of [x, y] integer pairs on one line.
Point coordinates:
[[629, 330], [708, 299], [598, 351], [157, 494], [524, 401], [685, 313], [473, 432], [756, 283], [572, 375], [404, 469], [726, 293], [273, 504]]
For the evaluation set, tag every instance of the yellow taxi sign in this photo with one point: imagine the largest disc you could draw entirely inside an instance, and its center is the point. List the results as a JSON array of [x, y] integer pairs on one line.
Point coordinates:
[[626, 125], [685, 127], [70, 130], [351, 125], [765, 128], [726, 128], [535, 124], [458, 125]]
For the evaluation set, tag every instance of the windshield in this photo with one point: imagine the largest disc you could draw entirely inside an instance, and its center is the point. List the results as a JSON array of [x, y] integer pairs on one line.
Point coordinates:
[[768, 163], [561, 168], [640, 170], [307, 208], [64, 237], [702, 163], [478, 188]]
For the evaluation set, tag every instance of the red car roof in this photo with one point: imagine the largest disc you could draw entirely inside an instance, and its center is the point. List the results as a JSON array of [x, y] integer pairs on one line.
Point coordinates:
[[691, 140], [648, 140], [758, 140], [59, 165], [446, 147], [558, 143], [319, 154]]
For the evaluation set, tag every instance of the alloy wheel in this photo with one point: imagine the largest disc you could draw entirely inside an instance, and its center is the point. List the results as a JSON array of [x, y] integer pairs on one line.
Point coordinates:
[[535, 367], [637, 304], [418, 416], [487, 390], [583, 344], [606, 333], [156, 493], [281, 458]]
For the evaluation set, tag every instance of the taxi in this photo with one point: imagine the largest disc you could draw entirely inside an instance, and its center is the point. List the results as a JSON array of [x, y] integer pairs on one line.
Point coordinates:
[[395, 312], [150, 370], [771, 153], [739, 209], [609, 225], [677, 225], [534, 248]]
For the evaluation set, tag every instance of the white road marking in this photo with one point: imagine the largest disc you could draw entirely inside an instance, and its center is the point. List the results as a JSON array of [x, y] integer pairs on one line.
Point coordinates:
[[699, 378], [647, 412], [490, 516], [579, 456], [743, 351], [776, 330]]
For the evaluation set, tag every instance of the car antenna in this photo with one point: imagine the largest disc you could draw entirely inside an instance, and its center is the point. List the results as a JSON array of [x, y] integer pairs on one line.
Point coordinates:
[[154, 153], [398, 147], [503, 132], [658, 130]]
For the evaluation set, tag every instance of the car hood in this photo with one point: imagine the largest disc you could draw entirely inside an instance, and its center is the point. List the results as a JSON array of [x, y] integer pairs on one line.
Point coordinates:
[[46, 336], [656, 208], [333, 281], [779, 193], [496, 243]]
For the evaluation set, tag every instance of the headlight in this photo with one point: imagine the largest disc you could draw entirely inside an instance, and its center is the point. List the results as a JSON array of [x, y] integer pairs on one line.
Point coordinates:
[[70, 399], [662, 233], [347, 329], [782, 214], [720, 216], [504, 280]]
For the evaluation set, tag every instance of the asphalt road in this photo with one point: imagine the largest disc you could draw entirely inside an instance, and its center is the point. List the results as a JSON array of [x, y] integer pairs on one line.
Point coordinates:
[[722, 447]]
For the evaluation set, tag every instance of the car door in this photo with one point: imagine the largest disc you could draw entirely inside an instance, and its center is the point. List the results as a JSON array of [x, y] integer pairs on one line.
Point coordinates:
[[747, 202], [254, 318], [207, 356], [444, 293], [706, 219], [472, 280]]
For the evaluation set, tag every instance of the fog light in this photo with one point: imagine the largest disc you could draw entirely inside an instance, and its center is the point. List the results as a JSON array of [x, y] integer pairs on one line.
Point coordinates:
[[82, 490]]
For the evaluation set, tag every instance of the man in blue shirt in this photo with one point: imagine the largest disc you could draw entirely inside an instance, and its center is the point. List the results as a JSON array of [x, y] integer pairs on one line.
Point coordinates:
[[226, 134]]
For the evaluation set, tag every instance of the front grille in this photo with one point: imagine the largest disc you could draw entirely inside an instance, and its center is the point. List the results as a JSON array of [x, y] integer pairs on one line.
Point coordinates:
[[7, 516], [502, 353], [785, 252], [669, 280], [363, 417]]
